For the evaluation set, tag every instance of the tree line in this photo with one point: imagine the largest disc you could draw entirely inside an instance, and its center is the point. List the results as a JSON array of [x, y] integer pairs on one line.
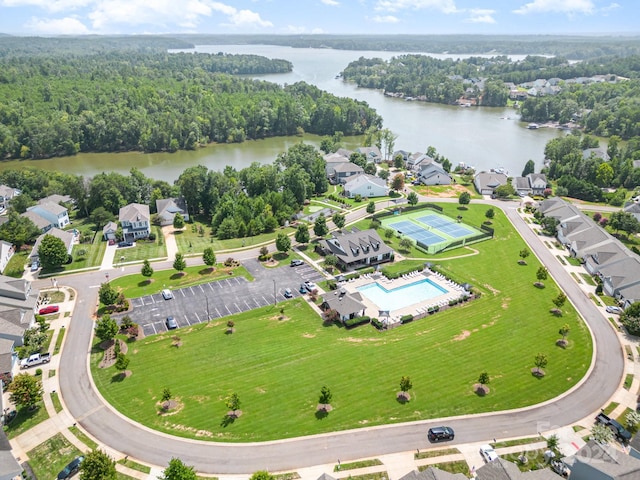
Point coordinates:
[[120, 101]]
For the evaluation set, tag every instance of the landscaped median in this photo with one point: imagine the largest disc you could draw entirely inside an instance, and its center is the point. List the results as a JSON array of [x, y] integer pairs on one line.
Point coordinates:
[[277, 362]]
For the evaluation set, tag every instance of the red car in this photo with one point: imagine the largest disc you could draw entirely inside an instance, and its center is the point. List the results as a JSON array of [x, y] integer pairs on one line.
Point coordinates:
[[49, 309]]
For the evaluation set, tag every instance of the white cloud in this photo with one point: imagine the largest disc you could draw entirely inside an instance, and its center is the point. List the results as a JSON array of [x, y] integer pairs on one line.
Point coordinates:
[[247, 17], [56, 26], [609, 8], [50, 5], [480, 15], [296, 30], [332, 3], [445, 6], [385, 19], [557, 6]]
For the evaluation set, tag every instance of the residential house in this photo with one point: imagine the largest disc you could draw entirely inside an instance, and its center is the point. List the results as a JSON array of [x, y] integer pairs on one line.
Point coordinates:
[[403, 153], [487, 182], [633, 208], [39, 221], [56, 215], [598, 152], [8, 360], [347, 305], [135, 221], [432, 473], [596, 257], [602, 462], [501, 469], [580, 241], [344, 170], [56, 198], [357, 248], [372, 154], [10, 469], [18, 302], [109, 231], [619, 275], [331, 160], [6, 194], [6, 252], [168, 207], [418, 160], [537, 183], [365, 185], [433, 174], [66, 237]]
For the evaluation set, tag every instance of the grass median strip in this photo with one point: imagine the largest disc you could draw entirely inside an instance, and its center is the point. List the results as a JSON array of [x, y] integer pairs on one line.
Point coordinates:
[[127, 462], [354, 465], [459, 466], [435, 453], [80, 435]]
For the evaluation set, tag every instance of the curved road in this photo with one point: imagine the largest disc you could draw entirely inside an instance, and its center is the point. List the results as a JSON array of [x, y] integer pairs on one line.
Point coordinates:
[[110, 428]]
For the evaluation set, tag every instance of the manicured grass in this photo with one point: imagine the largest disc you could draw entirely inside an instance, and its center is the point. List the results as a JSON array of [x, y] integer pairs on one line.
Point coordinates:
[[459, 466], [578, 428], [47, 342], [535, 459], [15, 267], [588, 279], [79, 434], [370, 476], [278, 367], [143, 250], [573, 261], [436, 453], [94, 252], [283, 476], [48, 458], [134, 465], [26, 420], [353, 465], [55, 296], [52, 373], [59, 340], [136, 285], [56, 402], [628, 351], [610, 408], [628, 380], [519, 441]]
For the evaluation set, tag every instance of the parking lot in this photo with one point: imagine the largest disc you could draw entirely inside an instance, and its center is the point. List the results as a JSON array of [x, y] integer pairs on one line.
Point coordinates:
[[196, 304]]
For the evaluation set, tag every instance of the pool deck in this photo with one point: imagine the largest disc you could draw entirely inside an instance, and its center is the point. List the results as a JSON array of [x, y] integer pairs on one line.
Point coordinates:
[[419, 309]]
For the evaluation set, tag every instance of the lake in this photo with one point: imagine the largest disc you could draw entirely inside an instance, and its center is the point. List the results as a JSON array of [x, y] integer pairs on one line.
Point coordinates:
[[483, 137]]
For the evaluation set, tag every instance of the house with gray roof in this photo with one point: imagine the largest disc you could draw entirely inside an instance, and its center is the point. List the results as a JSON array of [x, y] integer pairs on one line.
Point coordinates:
[[109, 231], [633, 208], [66, 237], [619, 275], [56, 198], [10, 469], [549, 204], [168, 207], [356, 249], [578, 242], [501, 469], [418, 160], [433, 473], [6, 194], [564, 213], [55, 214], [487, 182], [596, 257], [39, 221], [348, 305], [6, 252], [597, 152], [135, 221], [18, 302], [365, 185], [602, 462], [343, 171], [8, 360], [434, 174], [372, 154]]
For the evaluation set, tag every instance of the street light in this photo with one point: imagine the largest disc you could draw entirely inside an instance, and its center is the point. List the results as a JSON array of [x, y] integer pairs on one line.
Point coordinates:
[[208, 315]]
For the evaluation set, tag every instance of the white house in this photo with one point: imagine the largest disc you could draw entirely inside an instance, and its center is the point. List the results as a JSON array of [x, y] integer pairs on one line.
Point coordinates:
[[434, 174], [6, 252], [135, 220], [56, 215], [367, 186], [109, 231]]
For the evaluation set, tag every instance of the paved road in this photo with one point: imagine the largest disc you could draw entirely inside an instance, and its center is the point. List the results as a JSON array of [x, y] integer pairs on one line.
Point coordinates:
[[156, 448]]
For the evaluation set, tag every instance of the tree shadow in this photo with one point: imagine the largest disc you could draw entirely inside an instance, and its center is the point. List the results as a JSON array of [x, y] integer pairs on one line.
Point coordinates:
[[227, 420], [145, 283], [178, 232], [118, 377], [207, 271], [321, 414], [177, 276]]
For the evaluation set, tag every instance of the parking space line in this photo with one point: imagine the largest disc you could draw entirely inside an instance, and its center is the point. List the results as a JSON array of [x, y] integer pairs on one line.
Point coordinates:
[[201, 289], [153, 300], [266, 302], [256, 302], [182, 292], [199, 321], [237, 308], [248, 307], [228, 310], [191, 290], [187, 319], [219, 314], [154, 329], [210, 285]]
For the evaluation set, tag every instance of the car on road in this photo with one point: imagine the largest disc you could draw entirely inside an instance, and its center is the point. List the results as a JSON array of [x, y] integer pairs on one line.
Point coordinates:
[[296, 262], [613, 309], [438, 434], [171, 323], [288, 293], [49, 309], [166, 294], [488, 453], [71, 469]]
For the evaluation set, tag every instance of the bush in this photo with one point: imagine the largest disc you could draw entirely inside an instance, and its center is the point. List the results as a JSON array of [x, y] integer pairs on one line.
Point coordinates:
[[377, 323], [354, 322], [632, 324], [38, 372], [406, 318], [152, 237]]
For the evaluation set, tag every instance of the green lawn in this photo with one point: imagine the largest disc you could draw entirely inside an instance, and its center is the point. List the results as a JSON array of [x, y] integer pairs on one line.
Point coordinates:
[[143, 250], [278, 367], [136, 285], [15, 267], [26, 420], [48, 458], [93, 253]]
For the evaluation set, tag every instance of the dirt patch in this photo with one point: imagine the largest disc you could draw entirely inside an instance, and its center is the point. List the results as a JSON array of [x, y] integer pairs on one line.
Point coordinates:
[[505, 303], [452, 191], [491, 289], [109, 357], [309, 335], [197, 433], [260, 390], [201, 398], [480, 389], [462, 336], [169, 407]]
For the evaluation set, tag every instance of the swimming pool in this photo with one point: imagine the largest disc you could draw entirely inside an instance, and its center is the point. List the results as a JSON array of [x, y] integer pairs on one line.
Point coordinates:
[[401, 297]]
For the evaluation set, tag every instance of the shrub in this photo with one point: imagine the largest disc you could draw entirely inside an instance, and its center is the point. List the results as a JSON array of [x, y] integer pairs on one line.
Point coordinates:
[[152, 237], [406, 318], [377, 323], [354, 322], [38, 372]]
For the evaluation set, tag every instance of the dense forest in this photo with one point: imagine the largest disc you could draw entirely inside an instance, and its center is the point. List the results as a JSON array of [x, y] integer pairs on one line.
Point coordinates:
[[115, 101], [237, 204], [573, 47]]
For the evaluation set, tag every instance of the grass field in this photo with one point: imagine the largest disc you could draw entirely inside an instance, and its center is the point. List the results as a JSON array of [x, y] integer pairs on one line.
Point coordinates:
[[278, 367], [26, 420], [143, 249]]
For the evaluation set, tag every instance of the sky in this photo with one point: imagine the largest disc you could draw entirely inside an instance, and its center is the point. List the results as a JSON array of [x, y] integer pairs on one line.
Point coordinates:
[[78, 17]]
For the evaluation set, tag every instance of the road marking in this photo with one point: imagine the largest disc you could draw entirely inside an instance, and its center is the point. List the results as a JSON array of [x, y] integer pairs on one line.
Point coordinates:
[[94, 286], [191, 290], [228, 310], [256, 302], [266, 302], [219, 314], [210, 285], [187, 319], [154, 329], [201, 289], [199, 321], [248, 307], [182, 292]]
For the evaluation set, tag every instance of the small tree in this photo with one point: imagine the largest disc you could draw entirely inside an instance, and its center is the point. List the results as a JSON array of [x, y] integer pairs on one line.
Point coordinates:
[[26, 390], [97, 465], [325, 396], [371, 207], [397, 183], [339, 220], [406, 244], [262, 475], [601, 434], [398, 161], [524, 253], [166, 394], [484, 379], [405, 384], [389, 232], [107, 294], [490, 214], [209, 257], [147, 270], [233, 403], [632, 419], [540, 361], [542, 274], [560, 300], [106, 328], [122, 362], [464, 199], [552, 442], [178, 221], [302, 233], [564, 331], [412, 198], [179, 264], [178, 471], [283, 242], [320, 226], [52, 252], [330, 261]]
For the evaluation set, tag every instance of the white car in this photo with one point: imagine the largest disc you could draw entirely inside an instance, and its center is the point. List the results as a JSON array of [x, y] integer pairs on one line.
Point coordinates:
[[166, 294], [488, 453], [613, 309]]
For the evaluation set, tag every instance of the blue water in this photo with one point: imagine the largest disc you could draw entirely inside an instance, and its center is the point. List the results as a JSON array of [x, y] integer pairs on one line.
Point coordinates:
[[401, 297]]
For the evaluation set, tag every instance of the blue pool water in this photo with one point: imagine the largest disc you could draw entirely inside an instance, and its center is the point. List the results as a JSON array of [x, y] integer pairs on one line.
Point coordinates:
[[401, 297]]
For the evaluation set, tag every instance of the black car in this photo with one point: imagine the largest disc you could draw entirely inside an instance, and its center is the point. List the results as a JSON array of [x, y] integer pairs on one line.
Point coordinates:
[[71, 469], [125, 244], [296, 262], [171, 323], [438, 434]]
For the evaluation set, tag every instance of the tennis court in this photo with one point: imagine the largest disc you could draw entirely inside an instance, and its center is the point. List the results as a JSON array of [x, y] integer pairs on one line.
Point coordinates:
[[416, 232], [449, 227]]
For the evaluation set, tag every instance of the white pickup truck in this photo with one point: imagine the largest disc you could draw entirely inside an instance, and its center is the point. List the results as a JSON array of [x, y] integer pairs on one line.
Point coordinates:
[[35, 359]]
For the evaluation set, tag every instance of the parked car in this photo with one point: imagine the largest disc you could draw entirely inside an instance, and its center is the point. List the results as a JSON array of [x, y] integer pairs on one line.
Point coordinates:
[[288, 293], [488, 453], [296, 262], [618, 430], [166, 294], [125, 244], [438, 434], [34, 266], [49, 309], [310, 285], [613, 309], [35, 359], [303, 288], [171, 323], [71, 469]]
